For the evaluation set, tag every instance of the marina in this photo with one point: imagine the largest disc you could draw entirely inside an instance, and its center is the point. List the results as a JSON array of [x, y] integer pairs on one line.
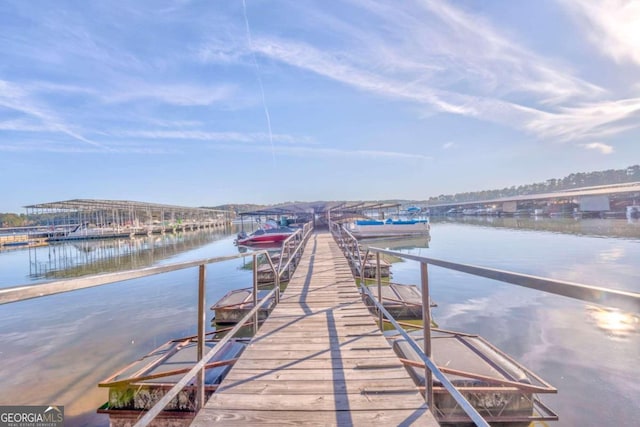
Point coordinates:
[[84, 219], [400, 271], [350, 214]]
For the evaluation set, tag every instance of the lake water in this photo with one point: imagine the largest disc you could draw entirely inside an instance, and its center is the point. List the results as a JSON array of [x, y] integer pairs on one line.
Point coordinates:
[[55, 350]]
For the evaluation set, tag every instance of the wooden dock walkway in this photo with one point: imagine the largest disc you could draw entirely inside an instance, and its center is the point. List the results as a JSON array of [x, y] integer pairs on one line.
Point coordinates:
[[319, 359]]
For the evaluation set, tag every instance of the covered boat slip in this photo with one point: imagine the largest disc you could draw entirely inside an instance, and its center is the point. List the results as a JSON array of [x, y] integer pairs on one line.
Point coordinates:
[[319, 359], [81, 219]]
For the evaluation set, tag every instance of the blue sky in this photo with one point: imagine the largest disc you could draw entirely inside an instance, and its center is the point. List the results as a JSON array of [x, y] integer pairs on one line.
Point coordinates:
[[209, 102]]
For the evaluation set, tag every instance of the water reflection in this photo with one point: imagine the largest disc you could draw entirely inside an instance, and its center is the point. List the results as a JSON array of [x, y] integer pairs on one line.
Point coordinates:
[[78, 258], [573, 345], [622, 228], [399, 243], [57, 349], [614, 322]]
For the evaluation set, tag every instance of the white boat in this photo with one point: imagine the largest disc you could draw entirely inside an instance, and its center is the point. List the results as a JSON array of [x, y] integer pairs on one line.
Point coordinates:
[[633, 212], [389, 228]]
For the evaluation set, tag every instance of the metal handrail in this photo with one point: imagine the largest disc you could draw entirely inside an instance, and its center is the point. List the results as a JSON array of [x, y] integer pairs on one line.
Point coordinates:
[[306, 231], [278, 270], [624, 300], [285, 247], [433, 368], [350, 243], [25, 292]]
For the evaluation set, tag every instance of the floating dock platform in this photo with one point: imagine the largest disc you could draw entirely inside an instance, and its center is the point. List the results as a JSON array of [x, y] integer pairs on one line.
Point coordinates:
[[318, 359], [232, 307], [502, 390], [403, 302], [137, 387]]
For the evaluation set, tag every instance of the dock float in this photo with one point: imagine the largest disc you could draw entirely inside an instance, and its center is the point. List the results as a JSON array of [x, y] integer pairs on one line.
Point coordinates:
[[319, 359]]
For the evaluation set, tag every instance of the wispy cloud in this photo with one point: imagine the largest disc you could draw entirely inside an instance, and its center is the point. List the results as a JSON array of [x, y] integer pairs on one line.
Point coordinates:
[[468, 49], [599, 146], [587, 120], [195, 135], [126, 90], [17, 99], [375, 154], [97, 76], [613, 26], [174, 94], [454, 62], [21, 125], [43, 145], [315, 152], [224, 49]]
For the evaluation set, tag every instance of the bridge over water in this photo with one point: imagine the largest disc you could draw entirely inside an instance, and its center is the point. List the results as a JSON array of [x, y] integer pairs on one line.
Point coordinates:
[[601, 198]]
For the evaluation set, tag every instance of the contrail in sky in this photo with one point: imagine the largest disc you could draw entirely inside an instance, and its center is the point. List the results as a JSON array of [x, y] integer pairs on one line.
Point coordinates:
[[255, 63]]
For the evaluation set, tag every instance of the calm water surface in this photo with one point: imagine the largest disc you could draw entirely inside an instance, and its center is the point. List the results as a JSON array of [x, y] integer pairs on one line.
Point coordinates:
[[55, 350]]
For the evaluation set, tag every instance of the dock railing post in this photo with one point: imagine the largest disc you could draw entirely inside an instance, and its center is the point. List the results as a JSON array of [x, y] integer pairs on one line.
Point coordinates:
[[255, 293], [276, 274], [426, 318], [201, 334], [363, 266], [379, 277]]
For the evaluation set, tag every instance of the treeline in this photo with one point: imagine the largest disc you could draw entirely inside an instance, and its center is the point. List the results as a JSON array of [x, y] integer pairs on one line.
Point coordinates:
[[13, 220], [575, 180]]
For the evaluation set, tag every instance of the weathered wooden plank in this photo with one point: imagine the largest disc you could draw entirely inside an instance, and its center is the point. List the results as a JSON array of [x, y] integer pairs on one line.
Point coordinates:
[[341, 320], [353, 386], [314, 306], [350, 326], [320, 330], [283, 312], [338, 314], [366, 341], [321, 353], [329, 418], [332, 361], [337, 337], [244, 375], [288, 346], [319, 402]]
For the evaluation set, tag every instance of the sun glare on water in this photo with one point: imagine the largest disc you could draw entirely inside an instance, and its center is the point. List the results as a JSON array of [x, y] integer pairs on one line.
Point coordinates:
[[614, 321]]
